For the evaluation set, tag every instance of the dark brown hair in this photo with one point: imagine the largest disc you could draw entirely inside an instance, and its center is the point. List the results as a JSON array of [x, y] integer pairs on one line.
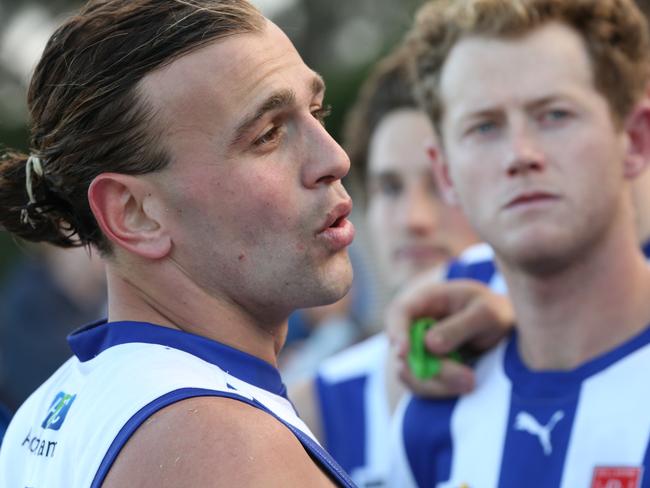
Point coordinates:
[[387, 88], [87, 115], [614, 32]]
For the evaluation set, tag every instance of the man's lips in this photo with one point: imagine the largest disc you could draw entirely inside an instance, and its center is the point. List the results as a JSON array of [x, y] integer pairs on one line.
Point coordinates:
[[337, 215], [338, 231], [530, 198]]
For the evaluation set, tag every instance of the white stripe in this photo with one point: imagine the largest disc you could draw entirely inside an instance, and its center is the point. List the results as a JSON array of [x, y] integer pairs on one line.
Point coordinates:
[[616, 403], [400, 474], [358, 360], [498, 283], [477, 253], [377, 422], [477, 439]]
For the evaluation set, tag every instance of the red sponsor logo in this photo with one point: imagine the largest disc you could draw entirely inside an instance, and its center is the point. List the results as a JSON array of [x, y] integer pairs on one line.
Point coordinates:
[[616, 477]]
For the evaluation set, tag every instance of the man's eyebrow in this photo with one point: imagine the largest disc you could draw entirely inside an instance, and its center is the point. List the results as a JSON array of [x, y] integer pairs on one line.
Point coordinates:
[[490, 111], [275, 101], [543, 101], [317, 85]]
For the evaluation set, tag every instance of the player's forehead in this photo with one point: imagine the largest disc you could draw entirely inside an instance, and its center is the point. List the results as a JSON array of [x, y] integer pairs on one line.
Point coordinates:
[[483, 72], [228, 77], [399, 143]]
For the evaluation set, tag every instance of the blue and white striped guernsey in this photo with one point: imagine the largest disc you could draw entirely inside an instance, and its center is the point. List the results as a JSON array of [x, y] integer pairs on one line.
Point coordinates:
[[588, 427], [69, 432]]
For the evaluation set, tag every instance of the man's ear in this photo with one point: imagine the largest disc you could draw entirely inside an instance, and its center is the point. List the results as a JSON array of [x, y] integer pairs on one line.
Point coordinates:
[[441, 175], [128, 214], [637, 129]]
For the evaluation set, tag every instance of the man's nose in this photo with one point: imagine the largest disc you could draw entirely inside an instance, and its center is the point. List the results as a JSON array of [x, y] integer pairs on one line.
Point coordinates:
[[327, 162], [525, 154]]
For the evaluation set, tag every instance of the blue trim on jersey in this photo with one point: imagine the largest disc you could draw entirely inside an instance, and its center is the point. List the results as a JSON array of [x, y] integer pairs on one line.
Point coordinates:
[[344, 400], [90, 341], [645, 476], [322, 458], [427, 425], [557, 383]]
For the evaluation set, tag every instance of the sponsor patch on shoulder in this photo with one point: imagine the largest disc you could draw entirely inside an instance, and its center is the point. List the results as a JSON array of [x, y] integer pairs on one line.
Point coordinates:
[[617, 477]]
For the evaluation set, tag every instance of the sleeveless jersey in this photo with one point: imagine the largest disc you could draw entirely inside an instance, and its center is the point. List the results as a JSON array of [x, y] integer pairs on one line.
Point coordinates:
[[583, 428], [70, 431]]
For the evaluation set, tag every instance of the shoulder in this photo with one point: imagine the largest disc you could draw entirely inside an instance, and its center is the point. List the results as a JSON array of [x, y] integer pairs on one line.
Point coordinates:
[[213, 441]]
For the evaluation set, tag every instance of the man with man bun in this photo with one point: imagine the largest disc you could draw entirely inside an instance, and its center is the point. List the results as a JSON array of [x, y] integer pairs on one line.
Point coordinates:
[[184, 141]]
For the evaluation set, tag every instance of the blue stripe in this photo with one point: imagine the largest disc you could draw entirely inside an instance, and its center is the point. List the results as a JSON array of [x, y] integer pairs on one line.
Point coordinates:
[[88, 342], [324, 460], [482, 271], [645, 476], [524, 462], [426, 432], [343, 410]]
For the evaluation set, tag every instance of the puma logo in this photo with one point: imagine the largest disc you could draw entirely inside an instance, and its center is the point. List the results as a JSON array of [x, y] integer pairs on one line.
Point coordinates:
[[528, 423]]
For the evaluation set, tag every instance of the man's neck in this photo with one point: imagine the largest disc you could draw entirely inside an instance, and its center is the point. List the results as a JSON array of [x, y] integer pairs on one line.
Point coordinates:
[[583, 311], [181, 304]]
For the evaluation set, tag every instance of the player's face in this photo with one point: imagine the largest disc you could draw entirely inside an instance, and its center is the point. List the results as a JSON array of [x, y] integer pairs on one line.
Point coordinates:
[[256, 205], [411, 228], [531, 148]]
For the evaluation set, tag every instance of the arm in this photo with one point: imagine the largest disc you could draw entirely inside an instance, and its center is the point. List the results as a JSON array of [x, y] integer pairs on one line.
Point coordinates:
[[469, 314], [213, 442]]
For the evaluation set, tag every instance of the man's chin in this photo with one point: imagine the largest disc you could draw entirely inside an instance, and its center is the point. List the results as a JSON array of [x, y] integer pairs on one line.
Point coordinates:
[[541, 261]]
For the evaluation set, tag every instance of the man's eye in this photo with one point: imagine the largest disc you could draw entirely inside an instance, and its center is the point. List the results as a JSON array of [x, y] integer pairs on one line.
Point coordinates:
[[269, 136], [390, 187], [322, 113], [555, 115], [484, 127]]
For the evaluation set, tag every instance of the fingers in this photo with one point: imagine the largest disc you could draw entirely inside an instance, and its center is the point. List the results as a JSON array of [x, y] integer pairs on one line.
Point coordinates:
[[468, 314], [453, 331], [423, 298], [497, 319], [485, 320], [454, 379]]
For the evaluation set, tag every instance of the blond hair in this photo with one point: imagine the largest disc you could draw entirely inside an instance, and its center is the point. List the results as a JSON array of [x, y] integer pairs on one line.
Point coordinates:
[[614, 33]]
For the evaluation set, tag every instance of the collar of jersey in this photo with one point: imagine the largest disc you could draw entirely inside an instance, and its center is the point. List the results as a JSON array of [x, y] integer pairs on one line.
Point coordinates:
[[91, 340], [529, 383]]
